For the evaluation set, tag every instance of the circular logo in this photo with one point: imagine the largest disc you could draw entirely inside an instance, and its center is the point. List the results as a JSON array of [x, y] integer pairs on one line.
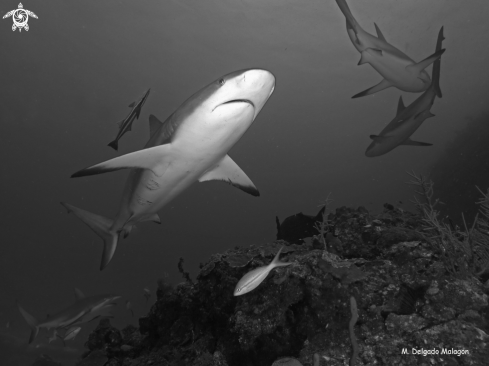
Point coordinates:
[[20, 17]]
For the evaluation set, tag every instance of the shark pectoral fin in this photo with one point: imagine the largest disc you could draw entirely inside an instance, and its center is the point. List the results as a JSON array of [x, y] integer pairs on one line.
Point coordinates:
[[420, 66], [132, 104], [154, 125], [400, 106], [384, 84], [31, 321], [377, 138], [228, 171], [154, 217], [363, 59], [410, 142], [79, 295], [151, 158], [101, 226], [379, 33]]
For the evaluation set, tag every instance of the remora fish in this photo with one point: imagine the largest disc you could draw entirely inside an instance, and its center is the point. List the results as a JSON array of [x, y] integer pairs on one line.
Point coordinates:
[[252, 279], [191, 145], [397, 68], [126, 124], [408, 119], [83, 310], [70, 333]]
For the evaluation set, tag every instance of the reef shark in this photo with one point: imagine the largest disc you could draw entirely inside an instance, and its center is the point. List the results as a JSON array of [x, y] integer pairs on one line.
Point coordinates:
[[190, 146], [396, 68], [84, 309], [408, 119], [126, 124]]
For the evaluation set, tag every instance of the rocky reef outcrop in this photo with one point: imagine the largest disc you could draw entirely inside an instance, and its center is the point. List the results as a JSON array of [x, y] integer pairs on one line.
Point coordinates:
[[409, 310]]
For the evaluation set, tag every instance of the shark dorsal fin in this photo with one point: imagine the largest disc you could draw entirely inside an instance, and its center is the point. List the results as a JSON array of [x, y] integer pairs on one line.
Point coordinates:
[[154, 125], [379, 33], [400, 106], [79, 295], [228, 171]]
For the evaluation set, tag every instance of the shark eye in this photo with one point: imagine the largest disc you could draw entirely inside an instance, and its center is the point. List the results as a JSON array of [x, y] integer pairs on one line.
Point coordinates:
[[221, 82]]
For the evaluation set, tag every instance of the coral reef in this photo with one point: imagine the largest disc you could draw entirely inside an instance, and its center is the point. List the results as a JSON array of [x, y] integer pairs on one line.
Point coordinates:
[[408, 309]]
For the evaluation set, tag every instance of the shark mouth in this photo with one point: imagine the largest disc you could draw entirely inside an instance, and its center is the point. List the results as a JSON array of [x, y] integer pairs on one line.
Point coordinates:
[[236, 101]]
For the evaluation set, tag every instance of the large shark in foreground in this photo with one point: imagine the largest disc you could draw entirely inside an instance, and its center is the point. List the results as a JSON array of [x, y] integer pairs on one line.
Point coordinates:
[[408, 119], [397, 68], [84, 309], [191, 145]]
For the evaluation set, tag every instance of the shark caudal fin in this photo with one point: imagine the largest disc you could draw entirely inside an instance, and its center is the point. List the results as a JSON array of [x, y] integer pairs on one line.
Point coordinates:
[[351, 22], [114, 144], [101, 226], [436, 66], [31, 321]]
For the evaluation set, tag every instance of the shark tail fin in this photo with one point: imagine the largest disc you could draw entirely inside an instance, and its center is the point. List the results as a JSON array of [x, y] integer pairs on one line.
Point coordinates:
[[114, 144], [31, 321], [351, 22], [436, 66], [102, 227]]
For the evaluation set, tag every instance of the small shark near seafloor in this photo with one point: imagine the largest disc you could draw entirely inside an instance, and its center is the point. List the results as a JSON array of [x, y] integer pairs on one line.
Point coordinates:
[[190, 146], [84, 309]]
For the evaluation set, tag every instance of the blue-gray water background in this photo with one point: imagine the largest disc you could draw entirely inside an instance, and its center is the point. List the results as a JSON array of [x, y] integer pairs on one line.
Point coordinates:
[[66, 82]]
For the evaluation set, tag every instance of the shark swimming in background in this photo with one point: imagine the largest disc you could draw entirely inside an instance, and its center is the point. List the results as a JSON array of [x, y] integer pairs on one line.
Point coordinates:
[[408, 119], [190, 146], [126, 124], [396, 68], [84, 309]]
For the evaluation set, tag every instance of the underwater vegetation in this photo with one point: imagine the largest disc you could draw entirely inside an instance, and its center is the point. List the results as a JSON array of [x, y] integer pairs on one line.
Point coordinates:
[[389, 290], [465, 252]]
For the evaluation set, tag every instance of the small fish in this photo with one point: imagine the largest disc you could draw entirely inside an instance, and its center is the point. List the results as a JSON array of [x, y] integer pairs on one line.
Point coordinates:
[[252, 279], [147, 294], [129, 307], [7, 325], [126, 124]]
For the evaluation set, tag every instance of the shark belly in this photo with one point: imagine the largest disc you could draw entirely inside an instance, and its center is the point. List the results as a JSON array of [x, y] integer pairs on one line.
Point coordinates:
[[200, 144], [394, 69]]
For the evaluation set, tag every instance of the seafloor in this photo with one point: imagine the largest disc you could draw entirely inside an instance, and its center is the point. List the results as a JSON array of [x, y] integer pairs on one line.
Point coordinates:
[[411, 309]]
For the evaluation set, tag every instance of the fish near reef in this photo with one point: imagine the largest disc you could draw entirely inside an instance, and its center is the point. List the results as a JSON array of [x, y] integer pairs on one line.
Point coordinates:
[[396, 68], [126, 124], [408, 119], [252, 279], [190, 146], [297, 227]]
